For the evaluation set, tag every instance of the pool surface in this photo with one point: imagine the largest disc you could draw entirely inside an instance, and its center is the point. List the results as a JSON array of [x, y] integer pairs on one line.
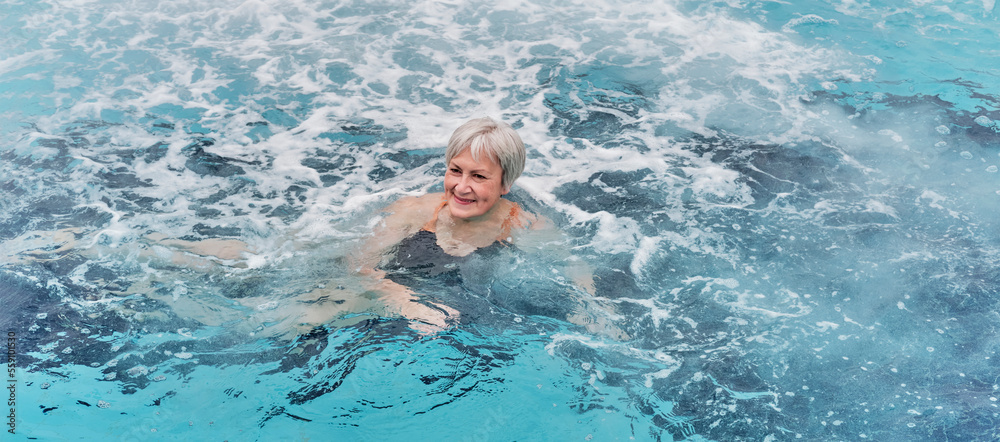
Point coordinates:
[[792, 209]]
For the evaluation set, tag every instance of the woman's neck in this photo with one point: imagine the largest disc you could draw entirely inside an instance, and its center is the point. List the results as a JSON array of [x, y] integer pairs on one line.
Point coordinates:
[[480, 231]]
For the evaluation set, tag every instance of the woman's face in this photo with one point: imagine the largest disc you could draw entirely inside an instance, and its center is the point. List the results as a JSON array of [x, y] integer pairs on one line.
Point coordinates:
[[472, 187]]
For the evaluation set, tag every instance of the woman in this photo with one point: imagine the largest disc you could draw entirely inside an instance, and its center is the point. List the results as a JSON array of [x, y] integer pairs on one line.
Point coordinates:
[[468, 232], [431, 234]]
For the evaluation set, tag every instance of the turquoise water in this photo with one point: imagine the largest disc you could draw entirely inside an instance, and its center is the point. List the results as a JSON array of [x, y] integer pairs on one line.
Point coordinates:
[[793, 208]]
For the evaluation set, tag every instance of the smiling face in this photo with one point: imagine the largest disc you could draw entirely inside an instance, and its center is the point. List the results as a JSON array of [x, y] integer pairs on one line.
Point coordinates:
[[472, 187]]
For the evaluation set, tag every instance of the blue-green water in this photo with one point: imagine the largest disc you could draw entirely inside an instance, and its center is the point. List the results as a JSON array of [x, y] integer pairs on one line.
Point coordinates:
[[793, 208]]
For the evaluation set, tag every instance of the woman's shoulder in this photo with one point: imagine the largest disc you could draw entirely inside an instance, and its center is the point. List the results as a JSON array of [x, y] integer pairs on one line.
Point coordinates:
[[523, 218], [416, 203], [411, 212]]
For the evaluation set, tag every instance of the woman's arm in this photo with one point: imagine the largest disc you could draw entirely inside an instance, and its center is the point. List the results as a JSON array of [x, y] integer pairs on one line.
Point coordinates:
[[543, 236], [594, 313], [403, 219]]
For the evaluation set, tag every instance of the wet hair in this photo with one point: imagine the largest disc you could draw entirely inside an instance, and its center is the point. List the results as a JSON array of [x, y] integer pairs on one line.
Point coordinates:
[[494, 138]]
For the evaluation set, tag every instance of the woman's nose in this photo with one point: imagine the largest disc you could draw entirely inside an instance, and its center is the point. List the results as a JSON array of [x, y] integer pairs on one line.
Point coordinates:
[[463, 183]]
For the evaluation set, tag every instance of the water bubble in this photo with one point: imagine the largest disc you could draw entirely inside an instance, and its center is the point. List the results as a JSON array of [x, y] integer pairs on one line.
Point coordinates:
[[41, 316], [992, 169], [110, 376], [103, 404], [943, 130], [985, 121], [268, 306], [940, 144], [966, 154], [736, 227], [891, 134], [45, 386], [930, 349]]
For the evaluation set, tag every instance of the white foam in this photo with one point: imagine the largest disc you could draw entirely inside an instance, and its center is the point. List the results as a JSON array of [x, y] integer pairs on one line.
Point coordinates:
[[807, 19], [880, 207], [643, 253], [713, 179], [615, 234]]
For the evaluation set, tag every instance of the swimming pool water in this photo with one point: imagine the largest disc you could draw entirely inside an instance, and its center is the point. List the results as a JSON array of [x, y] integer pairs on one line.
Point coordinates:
[[792, 207]]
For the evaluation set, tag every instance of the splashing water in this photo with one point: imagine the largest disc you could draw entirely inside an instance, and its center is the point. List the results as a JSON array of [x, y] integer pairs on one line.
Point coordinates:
[[792, 207]]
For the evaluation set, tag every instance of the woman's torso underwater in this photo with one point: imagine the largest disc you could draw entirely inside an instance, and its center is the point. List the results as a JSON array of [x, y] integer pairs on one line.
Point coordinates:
[[495, 275]]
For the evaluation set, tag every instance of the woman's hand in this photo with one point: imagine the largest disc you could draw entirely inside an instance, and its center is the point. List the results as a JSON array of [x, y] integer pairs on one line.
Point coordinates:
[[426, 318]]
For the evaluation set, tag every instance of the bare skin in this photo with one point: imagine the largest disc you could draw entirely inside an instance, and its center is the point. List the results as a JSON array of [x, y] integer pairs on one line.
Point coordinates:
[[456, 236]]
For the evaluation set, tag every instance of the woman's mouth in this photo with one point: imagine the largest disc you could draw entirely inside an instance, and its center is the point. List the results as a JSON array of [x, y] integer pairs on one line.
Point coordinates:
[[461, 200]]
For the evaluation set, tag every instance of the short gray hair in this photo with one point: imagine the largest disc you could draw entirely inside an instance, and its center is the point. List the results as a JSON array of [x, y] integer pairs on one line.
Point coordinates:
[[495, 138]]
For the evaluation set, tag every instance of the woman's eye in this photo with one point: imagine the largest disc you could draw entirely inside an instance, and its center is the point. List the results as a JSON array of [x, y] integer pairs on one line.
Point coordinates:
[[479, 176]]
